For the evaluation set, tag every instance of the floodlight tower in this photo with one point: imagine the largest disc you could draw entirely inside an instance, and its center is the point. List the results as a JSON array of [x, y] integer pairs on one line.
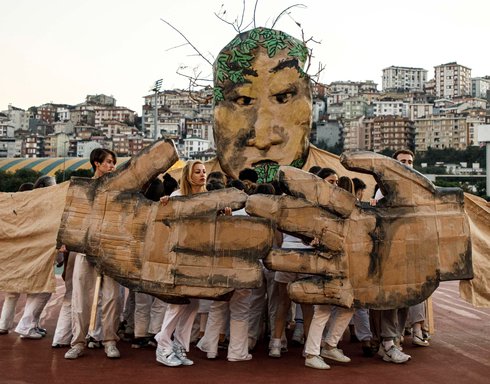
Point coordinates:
[[156, 89]]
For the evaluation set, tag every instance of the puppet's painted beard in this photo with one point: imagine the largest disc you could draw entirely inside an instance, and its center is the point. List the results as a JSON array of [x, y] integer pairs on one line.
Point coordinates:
[[267, 170]]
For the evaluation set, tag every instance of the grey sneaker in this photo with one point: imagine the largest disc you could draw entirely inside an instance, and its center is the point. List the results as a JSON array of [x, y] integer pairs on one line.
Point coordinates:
[[180, 353], [167, 358], [112, 352], [335, 354], [316, 362], [394, 355], [74, 353]]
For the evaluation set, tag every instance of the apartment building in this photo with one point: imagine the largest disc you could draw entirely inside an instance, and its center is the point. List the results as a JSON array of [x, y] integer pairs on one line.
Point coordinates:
[[353, 88], [33, 146], [18, 118], [193, 145], [480, 87], [104, 114], [357, 134], [452, 80], [387, 107], [440, 132], [354, 107], [392, 132], [56, 145], [404, 78], [419, 110]]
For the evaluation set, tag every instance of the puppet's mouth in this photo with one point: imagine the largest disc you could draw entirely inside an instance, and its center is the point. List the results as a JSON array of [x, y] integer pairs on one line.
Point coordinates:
[[262, 163]]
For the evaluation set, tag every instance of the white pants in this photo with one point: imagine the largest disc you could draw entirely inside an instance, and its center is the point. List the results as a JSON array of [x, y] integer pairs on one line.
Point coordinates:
[[84, 278], [259, 298], [338, 324], [148, 314], [32, 312], [239, 306], [178, 321], [62, 333], [8, 310]]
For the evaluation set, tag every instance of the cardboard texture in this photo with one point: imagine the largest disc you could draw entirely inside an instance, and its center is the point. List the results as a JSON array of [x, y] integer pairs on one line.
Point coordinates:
[[184, 248], [388, 256]]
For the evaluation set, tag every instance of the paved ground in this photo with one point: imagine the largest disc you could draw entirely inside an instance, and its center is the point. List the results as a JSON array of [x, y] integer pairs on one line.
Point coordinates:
[[460, 353]]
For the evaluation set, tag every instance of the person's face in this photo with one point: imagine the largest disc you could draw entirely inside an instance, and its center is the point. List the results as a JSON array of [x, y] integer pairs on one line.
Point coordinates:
[[107, 166], [406, 159], [359, 194], [265, 120], [198, 175], [332, 179]]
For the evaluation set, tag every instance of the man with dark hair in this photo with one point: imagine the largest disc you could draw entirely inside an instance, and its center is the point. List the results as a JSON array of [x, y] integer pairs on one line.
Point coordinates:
[[392, 321]]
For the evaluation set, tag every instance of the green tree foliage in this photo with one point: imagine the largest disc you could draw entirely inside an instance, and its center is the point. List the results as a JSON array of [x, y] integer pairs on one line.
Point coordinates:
[[337, 149], [68, 174], [10, 182]]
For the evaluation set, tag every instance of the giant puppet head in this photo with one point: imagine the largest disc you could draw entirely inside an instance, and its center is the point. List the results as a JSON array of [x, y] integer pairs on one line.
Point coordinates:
[[263, 103]]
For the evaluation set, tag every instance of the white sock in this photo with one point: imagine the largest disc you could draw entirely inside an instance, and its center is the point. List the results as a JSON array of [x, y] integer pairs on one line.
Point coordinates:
[[387, 344]]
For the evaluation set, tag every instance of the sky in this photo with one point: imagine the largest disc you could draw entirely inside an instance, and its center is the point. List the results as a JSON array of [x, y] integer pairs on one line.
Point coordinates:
[[62, 50]]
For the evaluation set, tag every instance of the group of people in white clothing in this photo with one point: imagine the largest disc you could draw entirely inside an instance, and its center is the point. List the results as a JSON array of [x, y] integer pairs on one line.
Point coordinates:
[[241, 320]]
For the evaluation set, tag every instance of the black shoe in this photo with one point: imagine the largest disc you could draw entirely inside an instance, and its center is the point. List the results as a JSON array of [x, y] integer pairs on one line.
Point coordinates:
[[93, 344], [42, 331], [60, 345]]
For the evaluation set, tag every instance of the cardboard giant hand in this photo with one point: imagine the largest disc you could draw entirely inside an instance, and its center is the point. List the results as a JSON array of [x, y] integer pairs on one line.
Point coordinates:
[[183, 249], [388, 256]]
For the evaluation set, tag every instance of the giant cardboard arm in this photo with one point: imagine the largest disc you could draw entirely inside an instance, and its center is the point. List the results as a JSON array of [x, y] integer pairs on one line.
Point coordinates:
[[391, 255]]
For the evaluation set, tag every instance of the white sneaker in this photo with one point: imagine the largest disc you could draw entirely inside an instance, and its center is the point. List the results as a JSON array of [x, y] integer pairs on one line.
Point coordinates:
[[211, 355], [247, 358], [335, 354], [394, 355], [180, 353], [112, 352], [32, 334], [74, 353], [275, 348], [316, 362], [167, 358]]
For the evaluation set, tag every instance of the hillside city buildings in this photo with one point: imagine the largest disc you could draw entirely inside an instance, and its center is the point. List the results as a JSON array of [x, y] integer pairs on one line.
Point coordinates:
[[409, 111]]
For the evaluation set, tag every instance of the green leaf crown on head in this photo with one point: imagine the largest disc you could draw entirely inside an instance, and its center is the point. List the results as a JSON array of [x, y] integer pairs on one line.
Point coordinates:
[[236, 58]]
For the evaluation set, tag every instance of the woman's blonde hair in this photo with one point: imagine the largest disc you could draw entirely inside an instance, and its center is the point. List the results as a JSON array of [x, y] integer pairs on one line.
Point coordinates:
[[185, 179]]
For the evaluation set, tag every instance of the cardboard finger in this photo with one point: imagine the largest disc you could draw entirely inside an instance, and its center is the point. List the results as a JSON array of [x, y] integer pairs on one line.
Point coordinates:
[[299, 217], [400, 184], [334, 290], [298, 183], [209, 203], [143, 167]]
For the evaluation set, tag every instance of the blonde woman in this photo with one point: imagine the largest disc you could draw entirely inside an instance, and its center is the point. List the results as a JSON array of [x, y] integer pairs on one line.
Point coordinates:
[[179, 318]]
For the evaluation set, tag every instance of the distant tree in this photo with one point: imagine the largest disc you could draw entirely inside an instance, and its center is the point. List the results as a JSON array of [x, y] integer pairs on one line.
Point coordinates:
[[10, 182], [68, 174], [336, 149]]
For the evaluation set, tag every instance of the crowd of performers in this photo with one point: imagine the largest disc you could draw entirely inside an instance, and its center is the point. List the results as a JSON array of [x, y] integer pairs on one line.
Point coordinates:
[[239, 323]]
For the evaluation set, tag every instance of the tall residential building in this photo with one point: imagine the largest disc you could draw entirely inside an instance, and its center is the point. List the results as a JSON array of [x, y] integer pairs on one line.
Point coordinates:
[[480, 86], [440, 132], [392, 132], [452, 80], [404, 78], [357, 134]]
